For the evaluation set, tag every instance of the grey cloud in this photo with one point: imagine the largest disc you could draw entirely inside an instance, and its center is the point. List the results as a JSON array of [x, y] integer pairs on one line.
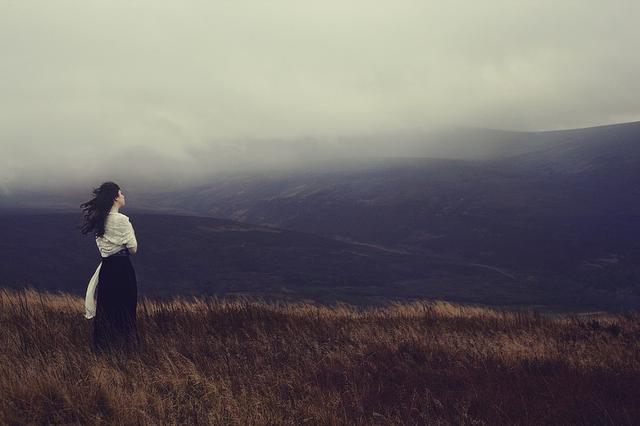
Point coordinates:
[[181, 89]]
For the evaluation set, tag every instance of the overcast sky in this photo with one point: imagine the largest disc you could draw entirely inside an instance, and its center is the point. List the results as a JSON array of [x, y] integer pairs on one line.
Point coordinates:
[[92, 89]]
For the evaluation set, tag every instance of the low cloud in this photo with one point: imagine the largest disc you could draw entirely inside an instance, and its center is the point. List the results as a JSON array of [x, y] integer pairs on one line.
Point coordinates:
[[150, 90]]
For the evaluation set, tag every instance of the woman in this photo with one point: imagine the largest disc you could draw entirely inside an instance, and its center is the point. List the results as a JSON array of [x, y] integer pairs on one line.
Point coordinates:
[[116, 296]]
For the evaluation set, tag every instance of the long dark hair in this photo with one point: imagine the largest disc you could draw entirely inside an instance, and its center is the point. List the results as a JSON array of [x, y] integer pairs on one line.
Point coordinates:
[[95, 210]]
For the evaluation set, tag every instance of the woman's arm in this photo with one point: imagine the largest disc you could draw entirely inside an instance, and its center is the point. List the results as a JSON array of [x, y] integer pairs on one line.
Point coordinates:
[[129, 236]]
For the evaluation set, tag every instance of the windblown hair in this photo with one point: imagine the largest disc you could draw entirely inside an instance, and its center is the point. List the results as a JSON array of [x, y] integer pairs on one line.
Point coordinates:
[[96, 210]]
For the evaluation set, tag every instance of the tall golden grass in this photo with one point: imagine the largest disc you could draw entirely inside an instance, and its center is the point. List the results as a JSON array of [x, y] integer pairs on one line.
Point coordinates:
[[239, 362]]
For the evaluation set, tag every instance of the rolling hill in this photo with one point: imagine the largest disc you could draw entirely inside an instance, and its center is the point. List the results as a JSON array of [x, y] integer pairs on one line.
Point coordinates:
[[188, 255], [561, 207], [508, 216]]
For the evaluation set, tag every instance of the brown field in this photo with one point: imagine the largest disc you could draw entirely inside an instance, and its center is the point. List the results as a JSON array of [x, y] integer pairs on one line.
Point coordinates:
[[239, 362]]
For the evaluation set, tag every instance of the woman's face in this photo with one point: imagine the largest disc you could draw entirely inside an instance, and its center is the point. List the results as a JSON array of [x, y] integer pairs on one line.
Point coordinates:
[[120, 200]]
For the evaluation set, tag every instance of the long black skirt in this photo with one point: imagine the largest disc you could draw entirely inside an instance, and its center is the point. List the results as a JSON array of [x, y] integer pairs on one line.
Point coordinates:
[[115, 325]]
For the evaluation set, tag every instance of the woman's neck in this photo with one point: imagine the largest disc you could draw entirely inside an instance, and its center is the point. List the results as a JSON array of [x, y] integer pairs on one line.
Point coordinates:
[[114, 210]]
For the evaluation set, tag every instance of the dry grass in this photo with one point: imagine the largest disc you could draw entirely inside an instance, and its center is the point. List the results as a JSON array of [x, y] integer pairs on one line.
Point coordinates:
[[249, 362]]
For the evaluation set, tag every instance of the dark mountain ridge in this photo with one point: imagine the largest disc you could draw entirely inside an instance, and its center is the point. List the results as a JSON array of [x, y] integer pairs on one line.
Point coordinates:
[[545, 211]]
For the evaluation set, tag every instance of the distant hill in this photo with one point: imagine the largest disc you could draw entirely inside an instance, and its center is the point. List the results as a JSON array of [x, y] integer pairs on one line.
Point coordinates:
[[187, 255], [574, 172], [556, 207], [553, 212]]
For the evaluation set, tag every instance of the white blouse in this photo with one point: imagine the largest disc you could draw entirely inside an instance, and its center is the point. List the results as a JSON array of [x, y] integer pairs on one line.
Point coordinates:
[[118, 233]]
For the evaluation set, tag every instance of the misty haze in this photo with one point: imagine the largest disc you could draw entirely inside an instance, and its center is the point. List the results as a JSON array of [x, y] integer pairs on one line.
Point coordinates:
[[483, 159]]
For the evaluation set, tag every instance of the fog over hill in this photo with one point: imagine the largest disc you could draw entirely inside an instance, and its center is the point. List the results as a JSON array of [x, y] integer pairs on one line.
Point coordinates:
[[157, 93], [550, 210], [609, 149], [146, 169]]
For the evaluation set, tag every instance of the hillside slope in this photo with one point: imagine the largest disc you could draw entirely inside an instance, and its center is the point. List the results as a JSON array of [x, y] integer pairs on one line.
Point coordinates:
[[188, 255]]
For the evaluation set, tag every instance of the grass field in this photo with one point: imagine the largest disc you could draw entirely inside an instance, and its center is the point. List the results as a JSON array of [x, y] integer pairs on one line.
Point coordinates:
[[238, 362]]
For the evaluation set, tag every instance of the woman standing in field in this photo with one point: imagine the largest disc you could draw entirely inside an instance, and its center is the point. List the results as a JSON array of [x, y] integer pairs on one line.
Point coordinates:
[[113, 287]]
